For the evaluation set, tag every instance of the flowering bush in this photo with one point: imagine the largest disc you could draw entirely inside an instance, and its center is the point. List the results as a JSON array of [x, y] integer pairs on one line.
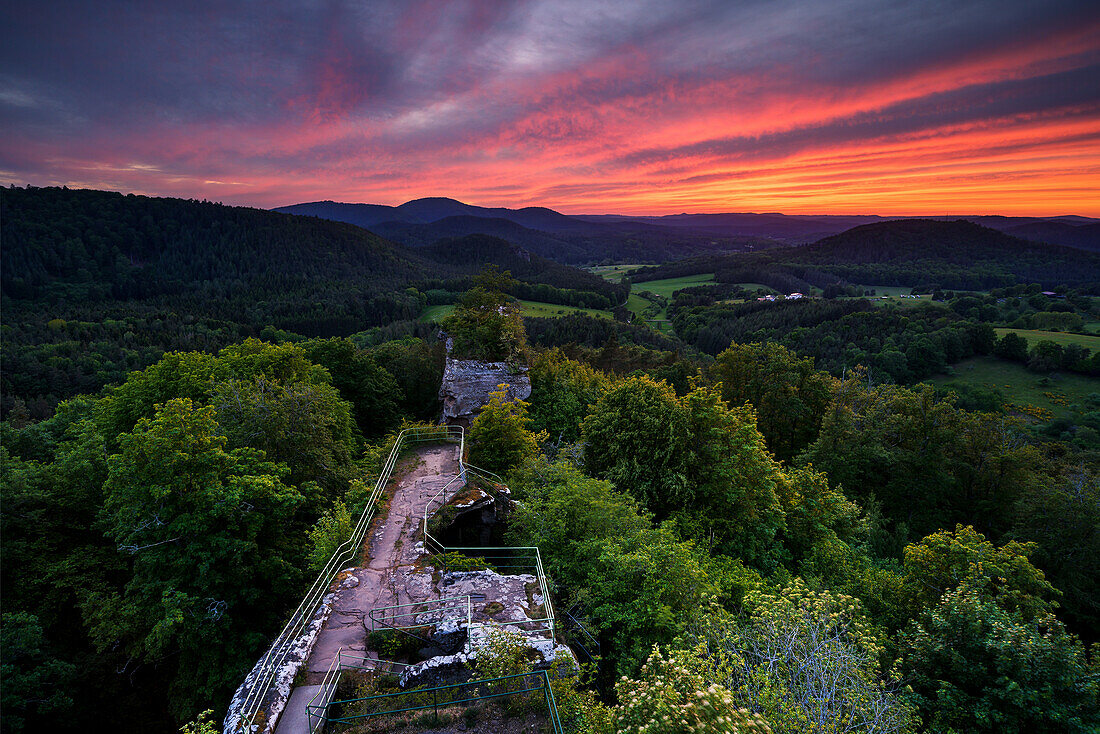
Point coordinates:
[[672, 698]]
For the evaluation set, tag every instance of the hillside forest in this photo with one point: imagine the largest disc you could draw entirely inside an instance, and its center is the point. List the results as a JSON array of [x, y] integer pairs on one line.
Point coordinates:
[[781, 516]]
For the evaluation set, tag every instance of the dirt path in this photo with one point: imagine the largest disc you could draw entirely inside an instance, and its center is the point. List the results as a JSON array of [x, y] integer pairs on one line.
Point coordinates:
[[390, 577]]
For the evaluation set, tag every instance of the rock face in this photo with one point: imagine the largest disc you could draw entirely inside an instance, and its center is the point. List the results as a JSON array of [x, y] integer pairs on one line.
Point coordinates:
[[468, 382]]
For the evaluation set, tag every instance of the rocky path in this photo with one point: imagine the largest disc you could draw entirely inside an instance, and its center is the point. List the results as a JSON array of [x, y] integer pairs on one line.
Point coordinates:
[[390, 577]]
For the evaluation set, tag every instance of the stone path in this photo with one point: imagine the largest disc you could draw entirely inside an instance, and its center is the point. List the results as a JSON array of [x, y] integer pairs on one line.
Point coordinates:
[[390, 577]]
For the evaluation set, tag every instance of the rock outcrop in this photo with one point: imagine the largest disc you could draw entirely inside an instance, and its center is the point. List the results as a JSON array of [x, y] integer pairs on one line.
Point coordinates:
[[468, 382]]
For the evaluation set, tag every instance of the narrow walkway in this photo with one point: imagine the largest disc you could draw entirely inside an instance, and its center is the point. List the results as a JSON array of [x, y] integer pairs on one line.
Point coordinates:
[[390, 577]]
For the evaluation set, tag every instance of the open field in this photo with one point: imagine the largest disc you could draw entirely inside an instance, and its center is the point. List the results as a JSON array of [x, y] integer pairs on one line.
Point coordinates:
[[613, 272], [1054, 393], [1034, 336], [530, 308], [636, 304], [668, 286]]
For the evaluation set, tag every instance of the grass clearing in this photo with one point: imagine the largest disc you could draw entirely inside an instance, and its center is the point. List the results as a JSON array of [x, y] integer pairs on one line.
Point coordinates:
[[667, 286], [435, 313], [535, 308], [636, 304], [888, 290], [613, 272], [1034, 336], [1053, 393], [528, 308]]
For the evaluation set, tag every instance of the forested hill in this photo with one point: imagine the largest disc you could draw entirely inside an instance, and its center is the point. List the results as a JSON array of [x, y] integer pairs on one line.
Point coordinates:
[[910, 252], [525, 266], [96, 284], [543, 231], [960, 242], [61, 245]]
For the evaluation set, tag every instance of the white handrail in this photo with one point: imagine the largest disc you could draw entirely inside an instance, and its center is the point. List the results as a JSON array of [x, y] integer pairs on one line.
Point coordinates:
[[277, 653]]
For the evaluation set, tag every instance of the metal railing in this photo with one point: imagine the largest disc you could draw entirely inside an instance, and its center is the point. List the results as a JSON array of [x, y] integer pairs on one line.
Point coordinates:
[[404, 618], [519, 557], [277, 655], [454, 694], [342, 661], [576, 633]]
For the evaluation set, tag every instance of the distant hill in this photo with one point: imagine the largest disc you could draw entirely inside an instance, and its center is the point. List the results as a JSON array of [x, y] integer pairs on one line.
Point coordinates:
[[459, 252], [566, 239], [1083, 236], [95, 283], [589, 239], [541, 243], [83, 247], [539, 279], [952, 254], [961, 241], [792, 229], [432, 209]]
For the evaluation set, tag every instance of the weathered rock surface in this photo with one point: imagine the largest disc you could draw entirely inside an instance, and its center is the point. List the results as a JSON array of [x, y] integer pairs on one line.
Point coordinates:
[[467, 384], [507, 603]]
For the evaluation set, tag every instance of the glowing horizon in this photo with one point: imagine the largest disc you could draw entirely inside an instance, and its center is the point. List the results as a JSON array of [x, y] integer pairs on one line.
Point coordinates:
[[847, 107]]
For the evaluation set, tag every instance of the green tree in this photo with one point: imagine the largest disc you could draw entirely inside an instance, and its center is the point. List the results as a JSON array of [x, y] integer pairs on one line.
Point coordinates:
[[372, 390], [1045, 357], [563, 392], [645, 589], [946, 560], [693, 459], [331, 530], [815, 514], [669, 698], [789, 395], [807, 660], [976, 667], [417, 366], [307, 426], [487, 324], [500, 439], [192, 375], [1063, 517], [922, 461], [636, 437], [1011, 346], [569, 516], [35, 683], [203, 530], [731, 503]]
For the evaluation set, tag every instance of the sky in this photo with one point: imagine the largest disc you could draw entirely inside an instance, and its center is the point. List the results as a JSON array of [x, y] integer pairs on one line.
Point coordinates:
[[800, 106]]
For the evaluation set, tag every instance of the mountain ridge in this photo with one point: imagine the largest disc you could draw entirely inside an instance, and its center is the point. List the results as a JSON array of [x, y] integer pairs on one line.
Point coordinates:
[[421, 221]]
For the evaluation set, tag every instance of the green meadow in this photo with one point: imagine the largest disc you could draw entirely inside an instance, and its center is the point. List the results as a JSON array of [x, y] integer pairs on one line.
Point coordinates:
[[1054, 393], [667, 286], [1034, 336]]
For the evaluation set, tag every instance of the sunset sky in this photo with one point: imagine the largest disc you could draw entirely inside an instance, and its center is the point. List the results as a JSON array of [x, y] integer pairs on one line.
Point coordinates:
[[810, 106]]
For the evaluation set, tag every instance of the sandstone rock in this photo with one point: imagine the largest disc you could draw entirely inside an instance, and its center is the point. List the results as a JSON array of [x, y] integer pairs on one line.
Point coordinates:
[[467, 384]]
